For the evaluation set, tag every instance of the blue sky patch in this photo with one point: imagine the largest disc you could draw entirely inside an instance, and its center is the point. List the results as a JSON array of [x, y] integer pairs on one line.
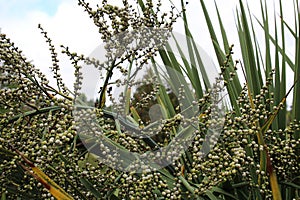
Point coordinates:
[[17, 8]]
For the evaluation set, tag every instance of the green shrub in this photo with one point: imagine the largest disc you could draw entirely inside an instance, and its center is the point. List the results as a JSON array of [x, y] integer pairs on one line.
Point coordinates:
[[254, 156]]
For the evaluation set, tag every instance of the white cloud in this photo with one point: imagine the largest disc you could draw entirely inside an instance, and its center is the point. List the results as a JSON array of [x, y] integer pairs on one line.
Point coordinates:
[[69, 26]]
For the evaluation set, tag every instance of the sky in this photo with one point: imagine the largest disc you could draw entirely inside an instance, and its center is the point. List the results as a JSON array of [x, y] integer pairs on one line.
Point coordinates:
[[67, 24]]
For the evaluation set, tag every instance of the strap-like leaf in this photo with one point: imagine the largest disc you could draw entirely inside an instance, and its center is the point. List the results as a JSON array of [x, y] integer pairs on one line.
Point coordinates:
[[45, 180]]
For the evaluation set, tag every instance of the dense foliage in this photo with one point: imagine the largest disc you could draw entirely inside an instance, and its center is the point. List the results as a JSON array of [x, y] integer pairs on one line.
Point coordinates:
[[254, 156]]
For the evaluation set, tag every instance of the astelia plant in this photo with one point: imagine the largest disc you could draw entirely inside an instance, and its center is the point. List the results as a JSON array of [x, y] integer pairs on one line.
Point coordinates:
[[54, 145], [258, 65]]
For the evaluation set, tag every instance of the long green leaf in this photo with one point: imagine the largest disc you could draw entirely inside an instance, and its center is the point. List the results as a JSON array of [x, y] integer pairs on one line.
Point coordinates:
[[88, 185], [296, 95]]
